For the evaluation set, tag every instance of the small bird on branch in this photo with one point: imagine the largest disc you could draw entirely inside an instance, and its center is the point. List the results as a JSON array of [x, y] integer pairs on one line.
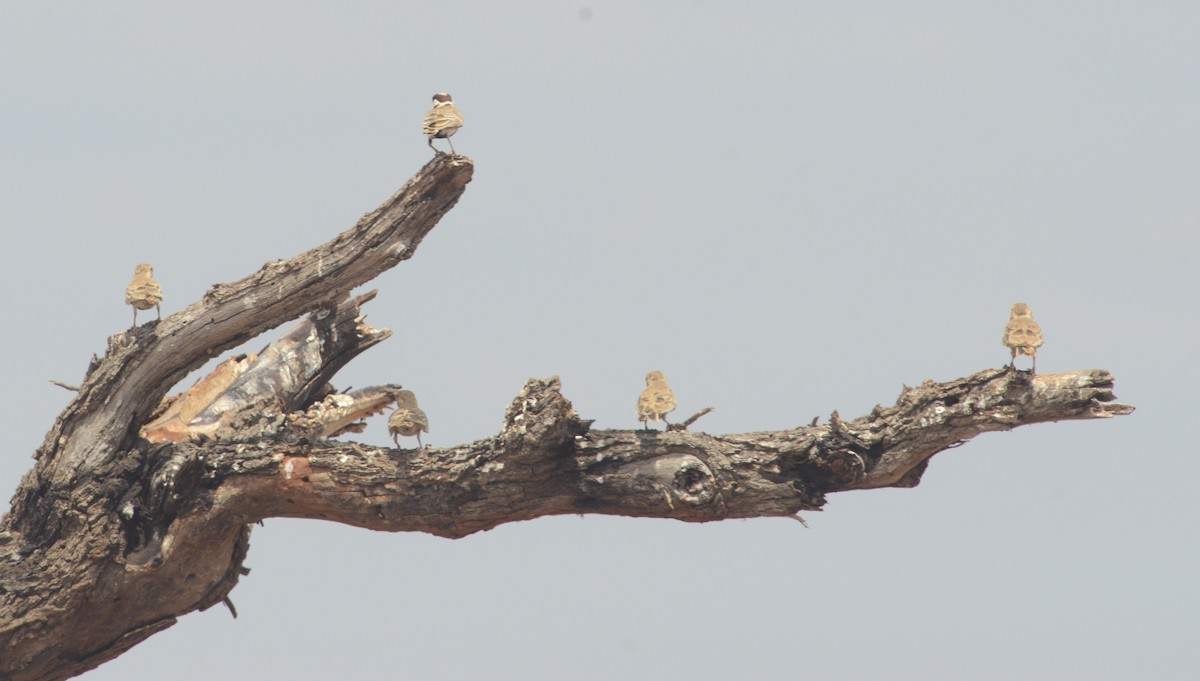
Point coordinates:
[[1022, 334], [656, 401], [143, 292], [408, 419], [442, 121]]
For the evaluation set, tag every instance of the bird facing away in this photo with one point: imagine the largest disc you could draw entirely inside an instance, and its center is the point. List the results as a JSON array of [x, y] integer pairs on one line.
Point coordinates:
[[656, 401], [143, 292], [408, 419], [443, 120], [1022, 334]]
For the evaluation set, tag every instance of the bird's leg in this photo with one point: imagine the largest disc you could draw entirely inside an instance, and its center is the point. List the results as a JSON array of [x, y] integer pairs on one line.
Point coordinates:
[[1033, 371], [395, 438], [419, 445], [452, 151], [436, 151], [158, 310], [134, 317]]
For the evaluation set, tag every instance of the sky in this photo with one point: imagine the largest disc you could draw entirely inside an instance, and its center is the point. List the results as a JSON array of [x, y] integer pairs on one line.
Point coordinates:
[[788, 208]]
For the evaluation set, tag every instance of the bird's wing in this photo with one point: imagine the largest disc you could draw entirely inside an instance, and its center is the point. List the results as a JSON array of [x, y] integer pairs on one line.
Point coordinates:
[[644, 409], [664, 401], [1023, 333], [441, 117], [142, 291]]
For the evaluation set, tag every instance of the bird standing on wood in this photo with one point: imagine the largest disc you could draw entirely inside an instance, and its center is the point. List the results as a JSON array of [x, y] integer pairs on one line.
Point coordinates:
[[656, 401], [443, 120], [1022, 334], [143, 292], [408, 419]]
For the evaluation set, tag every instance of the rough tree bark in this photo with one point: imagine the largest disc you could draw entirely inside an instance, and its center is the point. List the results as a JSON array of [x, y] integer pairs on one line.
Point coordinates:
[[137, 509]]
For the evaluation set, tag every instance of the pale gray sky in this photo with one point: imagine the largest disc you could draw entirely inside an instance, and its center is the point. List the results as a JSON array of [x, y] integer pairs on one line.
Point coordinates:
[[789, 208]]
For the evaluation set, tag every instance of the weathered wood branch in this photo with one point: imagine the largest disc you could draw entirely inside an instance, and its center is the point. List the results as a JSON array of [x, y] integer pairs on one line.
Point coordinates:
[[548, 461], [81, 573], [138, 508], [141, 365], [288, 376]]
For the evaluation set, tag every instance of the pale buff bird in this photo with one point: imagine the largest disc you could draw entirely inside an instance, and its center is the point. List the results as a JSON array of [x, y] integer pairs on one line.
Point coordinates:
[[143, 292], [1022, 334], [656, 401], [443, 120], [408, 419]]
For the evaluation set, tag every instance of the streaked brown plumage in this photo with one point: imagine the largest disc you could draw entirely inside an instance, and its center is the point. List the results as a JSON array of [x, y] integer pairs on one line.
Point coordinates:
[[443, 120], [1022, 334], [143, 292], [408, 419], [656, 401]]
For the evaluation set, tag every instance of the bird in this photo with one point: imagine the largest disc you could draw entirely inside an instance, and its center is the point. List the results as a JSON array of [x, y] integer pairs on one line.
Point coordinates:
[[1022, 334], [656, 401], [443, 120], [143, 292], [408, 419]]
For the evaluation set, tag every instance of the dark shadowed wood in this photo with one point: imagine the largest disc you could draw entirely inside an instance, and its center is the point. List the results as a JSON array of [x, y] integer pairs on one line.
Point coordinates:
[[138, 509]]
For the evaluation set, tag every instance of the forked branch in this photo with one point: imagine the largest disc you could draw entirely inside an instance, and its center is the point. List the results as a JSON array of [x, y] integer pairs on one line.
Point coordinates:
[[138, 508], [83, 569]]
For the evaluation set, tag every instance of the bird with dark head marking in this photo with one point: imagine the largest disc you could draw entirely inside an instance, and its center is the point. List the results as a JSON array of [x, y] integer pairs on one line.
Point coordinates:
[[408, 419], [442, 121]]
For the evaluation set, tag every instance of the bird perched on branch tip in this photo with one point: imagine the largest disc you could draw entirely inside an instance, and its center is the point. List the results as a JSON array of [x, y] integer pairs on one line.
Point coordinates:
[[1022, 334], [656, 401], [442, 121], [143, 292], [408, 419]]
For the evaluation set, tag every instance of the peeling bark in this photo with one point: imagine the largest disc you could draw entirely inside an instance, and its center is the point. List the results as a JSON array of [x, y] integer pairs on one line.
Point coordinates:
[[138, 508]]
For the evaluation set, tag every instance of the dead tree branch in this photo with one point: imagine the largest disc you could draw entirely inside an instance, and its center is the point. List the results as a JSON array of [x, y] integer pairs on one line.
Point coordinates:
[[138, 508], [80, 580]]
